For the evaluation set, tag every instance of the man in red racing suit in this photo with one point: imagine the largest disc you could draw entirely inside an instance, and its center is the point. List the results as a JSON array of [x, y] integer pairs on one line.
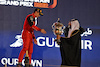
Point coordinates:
[[28, 35]]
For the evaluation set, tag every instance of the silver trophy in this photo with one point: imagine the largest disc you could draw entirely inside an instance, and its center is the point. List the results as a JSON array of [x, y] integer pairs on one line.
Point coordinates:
[[58, 28]]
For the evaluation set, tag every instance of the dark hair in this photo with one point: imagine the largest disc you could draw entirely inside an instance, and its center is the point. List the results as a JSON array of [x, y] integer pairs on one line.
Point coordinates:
[[37, 9]]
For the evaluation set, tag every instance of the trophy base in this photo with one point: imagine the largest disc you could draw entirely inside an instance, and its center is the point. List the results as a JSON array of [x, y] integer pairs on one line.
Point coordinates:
[[26, 62]]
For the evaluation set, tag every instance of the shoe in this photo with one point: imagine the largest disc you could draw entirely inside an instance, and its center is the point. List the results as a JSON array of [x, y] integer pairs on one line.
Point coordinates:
[[19, 65]]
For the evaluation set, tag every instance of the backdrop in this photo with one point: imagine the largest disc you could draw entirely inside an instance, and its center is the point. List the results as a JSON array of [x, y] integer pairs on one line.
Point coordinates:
[[47, 52]]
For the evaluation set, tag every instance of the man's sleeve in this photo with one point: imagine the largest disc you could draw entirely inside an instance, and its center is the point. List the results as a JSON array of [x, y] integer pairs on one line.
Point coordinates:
[[36, 28], [33, 35], [31, 20]]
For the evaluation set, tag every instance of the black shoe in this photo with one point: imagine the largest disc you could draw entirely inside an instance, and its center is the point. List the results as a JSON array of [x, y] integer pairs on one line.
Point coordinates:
[[19, 65]]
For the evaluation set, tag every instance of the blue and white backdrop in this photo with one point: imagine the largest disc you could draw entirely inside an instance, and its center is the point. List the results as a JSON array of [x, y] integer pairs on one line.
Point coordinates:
[[47, 52]]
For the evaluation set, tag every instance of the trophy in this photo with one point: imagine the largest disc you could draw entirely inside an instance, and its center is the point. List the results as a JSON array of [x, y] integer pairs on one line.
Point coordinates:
[[26, 59], [58, 28]]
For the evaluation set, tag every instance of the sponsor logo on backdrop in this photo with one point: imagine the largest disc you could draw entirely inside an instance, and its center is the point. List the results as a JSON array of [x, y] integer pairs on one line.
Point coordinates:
[[30, 3], [14, 61], [88, 32], [49, 42]]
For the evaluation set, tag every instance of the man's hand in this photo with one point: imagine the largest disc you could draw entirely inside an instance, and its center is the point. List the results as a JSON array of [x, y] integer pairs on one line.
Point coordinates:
[[43, 31], [35, 41]]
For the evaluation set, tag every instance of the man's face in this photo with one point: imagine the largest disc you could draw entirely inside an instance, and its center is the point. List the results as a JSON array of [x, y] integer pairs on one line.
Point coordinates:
[[69, 23], [37, 14]]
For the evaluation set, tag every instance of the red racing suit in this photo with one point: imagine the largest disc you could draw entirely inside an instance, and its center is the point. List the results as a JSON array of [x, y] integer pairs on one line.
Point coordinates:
[[27, 36]]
